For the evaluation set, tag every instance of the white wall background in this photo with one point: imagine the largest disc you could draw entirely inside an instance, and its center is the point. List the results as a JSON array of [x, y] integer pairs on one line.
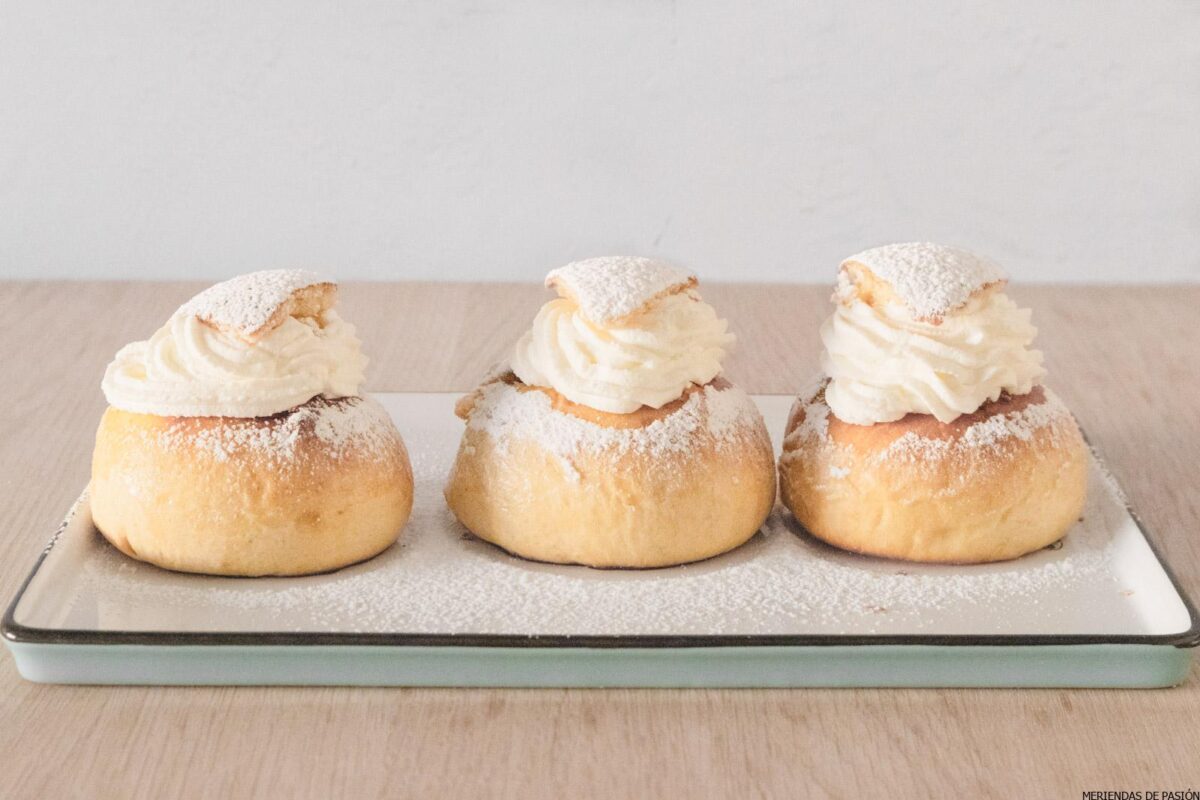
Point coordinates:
[[494, 139]]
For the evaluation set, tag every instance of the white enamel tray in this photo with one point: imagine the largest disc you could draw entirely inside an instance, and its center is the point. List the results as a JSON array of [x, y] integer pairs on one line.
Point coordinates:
[[442, 608]]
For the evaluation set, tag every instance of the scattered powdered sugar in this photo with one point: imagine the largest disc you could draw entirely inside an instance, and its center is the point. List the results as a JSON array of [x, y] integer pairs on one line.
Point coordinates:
[[987, 434], [729, 411], [612, 287], [931, 279], [508, 414], [1023, 424], [247, 303], [815, 425], [356, 423], [438, 579], [911, 447]]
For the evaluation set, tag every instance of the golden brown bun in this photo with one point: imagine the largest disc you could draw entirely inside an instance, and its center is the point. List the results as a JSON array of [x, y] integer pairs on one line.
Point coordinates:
[[989, 486], [551, 480], [313, 489]]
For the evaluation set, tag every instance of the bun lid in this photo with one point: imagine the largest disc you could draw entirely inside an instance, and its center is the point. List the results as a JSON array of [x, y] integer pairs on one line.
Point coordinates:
[[251, 306], [612, 288], [931, 280]]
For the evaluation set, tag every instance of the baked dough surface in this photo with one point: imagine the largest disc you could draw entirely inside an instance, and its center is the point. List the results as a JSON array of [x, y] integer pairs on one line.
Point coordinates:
[[609, 503], [317, 488], [989, 486]]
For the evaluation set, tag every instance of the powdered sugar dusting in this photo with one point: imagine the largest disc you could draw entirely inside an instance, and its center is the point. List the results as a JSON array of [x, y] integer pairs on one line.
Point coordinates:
[[912, 448], [247, 303], [814, 426], [1022, 425], [438, 579], [931, 279], [355, 424], [613, 287], [992, 433], [508, 414]]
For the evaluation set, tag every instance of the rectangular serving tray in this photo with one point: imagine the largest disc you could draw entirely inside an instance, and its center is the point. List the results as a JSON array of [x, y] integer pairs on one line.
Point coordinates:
[[442, 608]]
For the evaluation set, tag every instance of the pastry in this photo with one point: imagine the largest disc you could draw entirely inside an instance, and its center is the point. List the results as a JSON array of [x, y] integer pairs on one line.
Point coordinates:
[[930, 436], [236, 441], [611, 439]]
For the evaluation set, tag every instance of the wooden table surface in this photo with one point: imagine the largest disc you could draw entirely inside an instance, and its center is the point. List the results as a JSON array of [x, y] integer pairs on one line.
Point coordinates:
[[1126, 359]]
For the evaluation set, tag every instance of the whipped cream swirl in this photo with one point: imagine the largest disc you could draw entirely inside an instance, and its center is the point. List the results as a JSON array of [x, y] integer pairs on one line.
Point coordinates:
[[647, 360], [191, 369], [883, 363]]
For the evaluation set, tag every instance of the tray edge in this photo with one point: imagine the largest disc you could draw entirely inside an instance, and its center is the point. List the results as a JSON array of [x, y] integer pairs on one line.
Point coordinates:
[[15, 633]]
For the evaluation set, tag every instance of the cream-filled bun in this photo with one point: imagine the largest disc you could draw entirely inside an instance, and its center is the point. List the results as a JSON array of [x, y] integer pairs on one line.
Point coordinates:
[[612, 440], [236, 441], [930, 437]]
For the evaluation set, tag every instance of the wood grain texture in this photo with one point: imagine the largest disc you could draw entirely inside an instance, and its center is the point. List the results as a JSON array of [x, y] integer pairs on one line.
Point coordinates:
[[1125, 359]]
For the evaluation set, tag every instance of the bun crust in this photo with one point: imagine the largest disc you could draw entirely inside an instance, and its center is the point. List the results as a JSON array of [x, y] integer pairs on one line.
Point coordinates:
[[613, 290], [614, 505], [307, 301], [864, 285], [932, 280], [317, 488], [251, 306], [990, 486]]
